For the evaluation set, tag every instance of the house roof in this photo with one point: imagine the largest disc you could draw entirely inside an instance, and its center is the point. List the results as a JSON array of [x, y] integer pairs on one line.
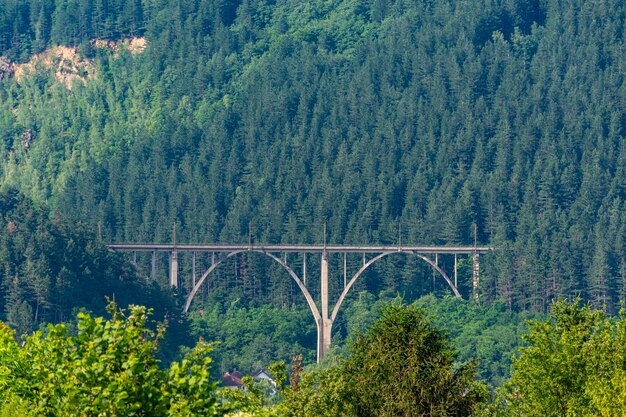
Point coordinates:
[[235, 378], [230, 380], [261, 374]]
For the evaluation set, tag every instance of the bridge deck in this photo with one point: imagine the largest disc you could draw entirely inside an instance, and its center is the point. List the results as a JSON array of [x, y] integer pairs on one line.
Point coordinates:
[[150, 247]]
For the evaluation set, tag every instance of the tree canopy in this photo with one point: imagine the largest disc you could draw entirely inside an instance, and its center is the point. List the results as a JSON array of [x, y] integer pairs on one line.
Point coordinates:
[[275, 117], [108, 368], [401, 366], [574, 364]]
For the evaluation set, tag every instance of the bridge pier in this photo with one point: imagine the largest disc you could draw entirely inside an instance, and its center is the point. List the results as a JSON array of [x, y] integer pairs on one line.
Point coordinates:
[[174, 269], [324, 286], [456, 280], [325, 324], [475, 277], [324, 334], [193, 269]]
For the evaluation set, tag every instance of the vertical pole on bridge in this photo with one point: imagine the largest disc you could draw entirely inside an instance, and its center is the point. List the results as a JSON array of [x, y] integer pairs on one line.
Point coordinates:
[[153, 272]]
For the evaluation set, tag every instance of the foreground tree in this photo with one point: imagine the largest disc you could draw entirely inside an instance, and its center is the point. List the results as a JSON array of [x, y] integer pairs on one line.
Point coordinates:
[[402, 366], [574, 365], [109, 368]]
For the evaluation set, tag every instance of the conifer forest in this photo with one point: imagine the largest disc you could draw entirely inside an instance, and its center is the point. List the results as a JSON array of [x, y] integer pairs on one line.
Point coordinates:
[[499, 123]]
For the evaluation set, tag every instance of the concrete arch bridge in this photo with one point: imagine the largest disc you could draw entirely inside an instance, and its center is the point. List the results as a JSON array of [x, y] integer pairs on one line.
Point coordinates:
[[324, 317]]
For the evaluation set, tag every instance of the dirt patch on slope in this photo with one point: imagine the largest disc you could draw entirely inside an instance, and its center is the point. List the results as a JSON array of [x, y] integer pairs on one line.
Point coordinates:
[[68, 64]]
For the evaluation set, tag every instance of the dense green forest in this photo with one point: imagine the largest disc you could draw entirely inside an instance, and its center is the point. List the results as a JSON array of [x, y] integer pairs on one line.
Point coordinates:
[[279, 116], [52, 268], [274, 117]]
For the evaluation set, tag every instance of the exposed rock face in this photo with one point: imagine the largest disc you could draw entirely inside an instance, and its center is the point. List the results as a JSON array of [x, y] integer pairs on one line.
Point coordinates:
[[134, 45], [68, 64], [137, 45]]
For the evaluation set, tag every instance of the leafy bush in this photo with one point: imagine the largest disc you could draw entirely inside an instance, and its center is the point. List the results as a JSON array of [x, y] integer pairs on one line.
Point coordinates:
[[574, 364], [108, 368]]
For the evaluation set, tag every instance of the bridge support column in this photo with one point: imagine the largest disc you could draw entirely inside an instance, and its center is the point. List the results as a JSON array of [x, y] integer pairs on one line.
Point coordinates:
[[174, 269], [475, 277], [193, 269], [325, 324], [324, 332], [324, 286], [456, 281]]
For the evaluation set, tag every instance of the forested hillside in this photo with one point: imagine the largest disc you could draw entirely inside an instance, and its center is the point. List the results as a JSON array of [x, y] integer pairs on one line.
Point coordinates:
[[276, 117], [54, 267]]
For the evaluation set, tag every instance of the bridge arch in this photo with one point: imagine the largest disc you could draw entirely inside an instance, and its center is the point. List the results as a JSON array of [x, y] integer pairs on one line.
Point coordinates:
[[307, 294], [378, 257]]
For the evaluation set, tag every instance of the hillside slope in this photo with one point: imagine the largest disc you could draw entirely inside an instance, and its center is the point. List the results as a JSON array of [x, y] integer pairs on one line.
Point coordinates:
[[279, 116]]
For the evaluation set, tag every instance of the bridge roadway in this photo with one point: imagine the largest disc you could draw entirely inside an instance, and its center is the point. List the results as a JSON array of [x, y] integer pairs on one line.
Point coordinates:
[[324, 318], [424, 250]]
